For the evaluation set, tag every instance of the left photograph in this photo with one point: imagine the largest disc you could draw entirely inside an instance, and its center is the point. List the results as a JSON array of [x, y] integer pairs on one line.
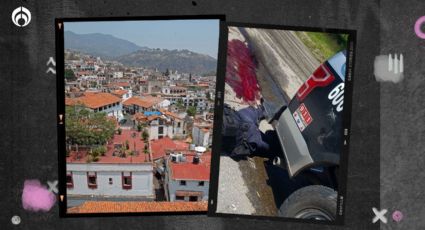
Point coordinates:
[[138, 102]]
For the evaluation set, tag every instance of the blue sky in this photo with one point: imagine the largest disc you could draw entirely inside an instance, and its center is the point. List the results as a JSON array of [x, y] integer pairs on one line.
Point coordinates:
[[200, 36]]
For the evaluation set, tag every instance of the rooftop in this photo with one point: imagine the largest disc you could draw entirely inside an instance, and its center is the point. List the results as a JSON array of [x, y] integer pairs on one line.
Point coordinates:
[[171, 114], [93, 100], [119, 92], [134, 143], [160, 147], [189, 171], [145, 102], [119, 84], [136, 206]]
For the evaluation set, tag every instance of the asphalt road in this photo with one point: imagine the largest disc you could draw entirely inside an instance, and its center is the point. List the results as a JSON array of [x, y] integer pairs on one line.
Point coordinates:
[[254, 186]]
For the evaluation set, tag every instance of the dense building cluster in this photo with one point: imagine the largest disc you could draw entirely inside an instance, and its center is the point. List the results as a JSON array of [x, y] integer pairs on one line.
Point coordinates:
[[160, 145]]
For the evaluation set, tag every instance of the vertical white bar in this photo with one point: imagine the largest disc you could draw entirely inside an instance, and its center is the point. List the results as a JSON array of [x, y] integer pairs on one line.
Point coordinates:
[[390, 63], [395, 64], [401, 63]]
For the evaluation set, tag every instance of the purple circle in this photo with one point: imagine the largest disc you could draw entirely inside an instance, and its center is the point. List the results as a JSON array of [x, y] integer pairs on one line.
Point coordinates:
[[397, 216], [418, 25]]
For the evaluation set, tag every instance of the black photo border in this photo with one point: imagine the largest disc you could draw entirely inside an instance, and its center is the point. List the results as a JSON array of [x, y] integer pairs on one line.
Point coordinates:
[[60, 95], [345, 132]]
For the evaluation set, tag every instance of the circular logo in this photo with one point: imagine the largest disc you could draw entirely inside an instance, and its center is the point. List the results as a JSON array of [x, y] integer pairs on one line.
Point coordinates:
[[418, 26], [21, 16], [397, 216], [16, 220]]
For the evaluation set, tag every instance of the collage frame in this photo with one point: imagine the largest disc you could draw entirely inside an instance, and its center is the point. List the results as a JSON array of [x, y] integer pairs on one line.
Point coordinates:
[[218, 118], [60, 50], [345, 132]]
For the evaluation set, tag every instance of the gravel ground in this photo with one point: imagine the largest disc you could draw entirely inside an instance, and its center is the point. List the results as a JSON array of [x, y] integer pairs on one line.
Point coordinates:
[[232, 199]]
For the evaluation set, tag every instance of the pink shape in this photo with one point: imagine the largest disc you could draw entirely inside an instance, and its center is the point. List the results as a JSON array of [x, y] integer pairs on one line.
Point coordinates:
[[397, 216], [418, 25], [37, 197]]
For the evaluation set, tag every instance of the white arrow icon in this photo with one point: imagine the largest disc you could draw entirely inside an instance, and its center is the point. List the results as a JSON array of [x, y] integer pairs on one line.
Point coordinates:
[[51, 61], [51, 70]]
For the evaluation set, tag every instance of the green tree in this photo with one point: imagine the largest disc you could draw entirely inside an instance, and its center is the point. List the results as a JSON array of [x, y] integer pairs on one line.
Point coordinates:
[[145, 135], [84, 127], [69, 75], [191, 111], [179, 103]]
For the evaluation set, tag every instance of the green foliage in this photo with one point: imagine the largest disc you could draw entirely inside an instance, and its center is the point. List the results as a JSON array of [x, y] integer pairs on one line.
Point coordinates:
[[84, 127], [180, 104], [119, 131], [191, 111], [69, 75], [139, 127], [127, 145], [99, 151], [145, 135], [323, 45]]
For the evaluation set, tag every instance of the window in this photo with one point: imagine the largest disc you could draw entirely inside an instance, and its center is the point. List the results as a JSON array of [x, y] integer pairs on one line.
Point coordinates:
[[179, 197], [161, 130], [178, 124], [201, 183], [110, 180], [126, 180], [182, 182], [92, 180], [69, 180], [193, 198]]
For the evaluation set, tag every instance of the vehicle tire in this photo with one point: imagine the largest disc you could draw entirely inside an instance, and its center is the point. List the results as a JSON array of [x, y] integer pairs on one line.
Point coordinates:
[[312, 202]]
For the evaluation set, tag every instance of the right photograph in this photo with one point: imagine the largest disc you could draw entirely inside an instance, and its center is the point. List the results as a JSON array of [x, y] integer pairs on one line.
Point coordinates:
[[285, 123]]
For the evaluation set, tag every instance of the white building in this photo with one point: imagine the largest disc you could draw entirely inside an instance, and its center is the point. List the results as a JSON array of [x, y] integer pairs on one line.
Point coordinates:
[[160, 127], [110, 180], [201, 135], [140, 105], [123, 94], [187, 176], [99, 102], [118, 75]]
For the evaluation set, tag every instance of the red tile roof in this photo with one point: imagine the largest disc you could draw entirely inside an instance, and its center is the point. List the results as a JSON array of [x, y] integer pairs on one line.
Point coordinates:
[[82, 156], [136, 206], [122, 84], [93, 100], [171, 114], [189, 171], [146, 102], [119, 92], [160, 147]]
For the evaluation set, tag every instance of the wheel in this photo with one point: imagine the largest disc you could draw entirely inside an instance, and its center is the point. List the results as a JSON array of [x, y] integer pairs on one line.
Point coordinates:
[[312, 202]]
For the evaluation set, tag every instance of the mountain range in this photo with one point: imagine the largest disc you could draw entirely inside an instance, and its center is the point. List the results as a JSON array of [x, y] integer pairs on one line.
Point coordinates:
[[113, 48]]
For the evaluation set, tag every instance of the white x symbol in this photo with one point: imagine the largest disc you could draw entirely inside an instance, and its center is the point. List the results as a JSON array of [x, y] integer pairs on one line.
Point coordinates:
[[379, 215], [52, 186]]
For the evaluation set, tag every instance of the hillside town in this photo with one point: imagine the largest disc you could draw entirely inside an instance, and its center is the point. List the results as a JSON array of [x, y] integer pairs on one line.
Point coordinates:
[[136, 134]]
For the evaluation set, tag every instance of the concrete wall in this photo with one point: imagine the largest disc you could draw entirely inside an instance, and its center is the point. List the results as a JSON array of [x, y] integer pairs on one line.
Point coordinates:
[[200, 138], [142, 179]]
